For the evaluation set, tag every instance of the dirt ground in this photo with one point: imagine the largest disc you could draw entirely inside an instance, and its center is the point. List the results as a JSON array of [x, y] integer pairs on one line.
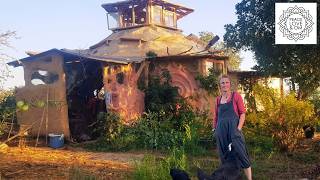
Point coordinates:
[[66, 163], [71, 163]]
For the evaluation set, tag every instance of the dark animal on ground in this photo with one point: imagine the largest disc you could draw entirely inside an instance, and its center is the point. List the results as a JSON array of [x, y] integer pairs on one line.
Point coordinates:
[[178, 174], [229, 170]]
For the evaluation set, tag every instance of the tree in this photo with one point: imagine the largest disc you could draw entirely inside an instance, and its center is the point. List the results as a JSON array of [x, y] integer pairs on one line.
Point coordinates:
[[255, 29], [234, 57], [7, 100], [5, 43]]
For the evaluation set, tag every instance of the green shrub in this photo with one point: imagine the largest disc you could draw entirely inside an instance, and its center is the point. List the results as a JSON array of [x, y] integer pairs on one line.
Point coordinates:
[[160, 96], [108, 125], [282, 118], [168, 123], [210, 82], [315, 100], [7, 109], [153, 133]]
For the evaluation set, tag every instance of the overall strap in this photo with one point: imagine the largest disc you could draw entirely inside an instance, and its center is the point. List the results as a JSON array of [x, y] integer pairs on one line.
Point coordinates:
[[232, 97], [218, 100]]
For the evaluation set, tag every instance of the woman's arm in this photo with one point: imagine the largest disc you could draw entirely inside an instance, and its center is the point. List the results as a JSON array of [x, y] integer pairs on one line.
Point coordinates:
[[241, 110], [241, 121]]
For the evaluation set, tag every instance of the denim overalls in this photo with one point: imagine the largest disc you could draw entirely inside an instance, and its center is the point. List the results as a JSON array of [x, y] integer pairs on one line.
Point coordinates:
[[227, 132]]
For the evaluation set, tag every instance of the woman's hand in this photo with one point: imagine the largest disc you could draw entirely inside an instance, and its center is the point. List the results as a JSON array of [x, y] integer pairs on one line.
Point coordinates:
[[213, 133]]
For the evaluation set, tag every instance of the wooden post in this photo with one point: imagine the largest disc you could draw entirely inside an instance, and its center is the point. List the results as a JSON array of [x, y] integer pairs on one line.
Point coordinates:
[[175, 18], [47, 117], [133, 16], [149, 12], [161, 16], [108, 21]]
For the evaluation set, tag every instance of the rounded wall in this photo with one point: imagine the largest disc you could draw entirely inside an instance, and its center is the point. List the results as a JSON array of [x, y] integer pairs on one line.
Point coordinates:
[[123, 96]]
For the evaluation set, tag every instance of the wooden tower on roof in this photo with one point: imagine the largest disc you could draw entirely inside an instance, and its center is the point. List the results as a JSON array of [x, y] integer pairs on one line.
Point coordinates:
[[137, 13]]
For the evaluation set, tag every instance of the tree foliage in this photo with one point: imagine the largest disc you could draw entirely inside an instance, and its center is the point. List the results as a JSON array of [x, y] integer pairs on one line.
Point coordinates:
[[255, 30], [282, 117], [234, 57], [7, 99], [5, 38], [5, 43], [210, 82]]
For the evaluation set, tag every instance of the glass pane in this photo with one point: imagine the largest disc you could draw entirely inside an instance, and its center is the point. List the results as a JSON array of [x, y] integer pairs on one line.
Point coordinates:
[[113, 20], [157, 14], [168, 18]]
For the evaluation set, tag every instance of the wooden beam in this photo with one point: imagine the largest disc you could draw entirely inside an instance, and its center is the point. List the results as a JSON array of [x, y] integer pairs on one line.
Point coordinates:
[[174, 18], [148, 13], [161, 16], [133, 18]]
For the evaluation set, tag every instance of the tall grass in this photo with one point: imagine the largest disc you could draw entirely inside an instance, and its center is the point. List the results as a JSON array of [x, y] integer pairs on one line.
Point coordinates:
[[155, 168]]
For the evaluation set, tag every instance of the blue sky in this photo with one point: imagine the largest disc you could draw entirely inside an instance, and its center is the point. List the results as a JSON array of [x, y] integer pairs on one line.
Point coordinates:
[[42, 24]]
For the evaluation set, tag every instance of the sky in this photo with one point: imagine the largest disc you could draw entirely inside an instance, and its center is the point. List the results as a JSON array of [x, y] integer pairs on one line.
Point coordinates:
[[41, 25]]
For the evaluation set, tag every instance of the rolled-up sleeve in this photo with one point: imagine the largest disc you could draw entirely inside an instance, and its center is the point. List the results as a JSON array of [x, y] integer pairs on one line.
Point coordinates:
[[240, 104]]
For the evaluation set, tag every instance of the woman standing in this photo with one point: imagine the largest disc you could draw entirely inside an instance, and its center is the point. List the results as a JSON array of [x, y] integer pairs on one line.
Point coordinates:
[[228, 123]]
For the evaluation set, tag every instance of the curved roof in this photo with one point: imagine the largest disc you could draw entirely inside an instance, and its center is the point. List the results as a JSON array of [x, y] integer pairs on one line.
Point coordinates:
[[131, 45], [136, 42]]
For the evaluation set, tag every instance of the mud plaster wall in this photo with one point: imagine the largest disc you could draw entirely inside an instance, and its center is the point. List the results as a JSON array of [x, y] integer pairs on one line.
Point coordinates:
[[183, 73], [126, 98], [57, 106]]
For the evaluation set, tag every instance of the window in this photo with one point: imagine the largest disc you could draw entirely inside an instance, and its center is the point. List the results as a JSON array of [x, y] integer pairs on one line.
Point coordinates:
[[120, 77], [43, 77], [168, 17], [208, 66], [156, 14], [113, 20]]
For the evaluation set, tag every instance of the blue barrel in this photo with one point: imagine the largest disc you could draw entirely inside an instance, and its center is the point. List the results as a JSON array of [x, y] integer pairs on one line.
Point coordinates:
[[56, 140]]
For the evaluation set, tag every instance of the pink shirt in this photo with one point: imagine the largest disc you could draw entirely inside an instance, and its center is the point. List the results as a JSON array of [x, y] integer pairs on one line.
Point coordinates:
[[238, 106]]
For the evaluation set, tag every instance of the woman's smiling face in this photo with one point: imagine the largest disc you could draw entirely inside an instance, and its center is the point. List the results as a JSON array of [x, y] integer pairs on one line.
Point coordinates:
[[225, 84]]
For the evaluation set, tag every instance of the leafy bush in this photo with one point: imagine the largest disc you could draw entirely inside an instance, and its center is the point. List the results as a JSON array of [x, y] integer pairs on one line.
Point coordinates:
[[210, 82], [7, 109], [108, 126], [281, 117], [168, 123], [160, 96], [315, 100]]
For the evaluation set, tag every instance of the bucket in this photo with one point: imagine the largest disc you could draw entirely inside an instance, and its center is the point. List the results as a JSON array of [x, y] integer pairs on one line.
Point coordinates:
[[56, 140]]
